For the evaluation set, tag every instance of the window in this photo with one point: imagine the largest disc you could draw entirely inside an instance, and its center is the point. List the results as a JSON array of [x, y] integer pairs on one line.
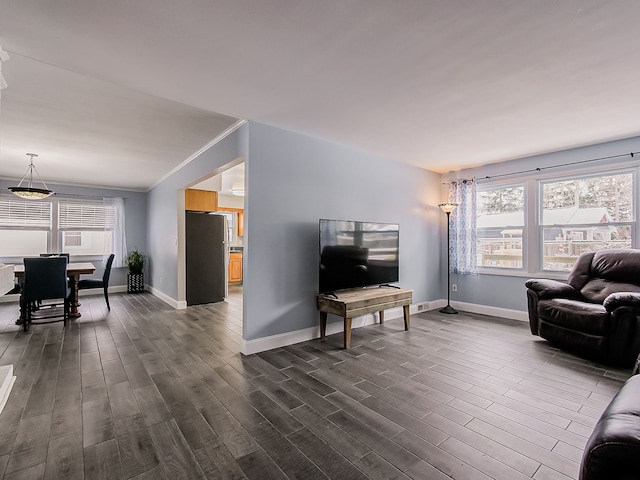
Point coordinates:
[[25, 227], [500, 224], [78, 227], [86, 228], [585, 214]]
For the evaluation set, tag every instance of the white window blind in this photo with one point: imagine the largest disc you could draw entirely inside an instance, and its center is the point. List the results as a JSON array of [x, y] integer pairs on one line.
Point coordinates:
[[25, 213], [82, 216]]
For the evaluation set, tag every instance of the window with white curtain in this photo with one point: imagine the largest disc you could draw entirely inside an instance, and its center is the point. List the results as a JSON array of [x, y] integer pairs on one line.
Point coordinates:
[[85, 228], [80, 227], [543, 224]]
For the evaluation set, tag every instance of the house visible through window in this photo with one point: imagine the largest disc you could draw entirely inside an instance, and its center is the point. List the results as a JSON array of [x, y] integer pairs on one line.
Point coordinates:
[[585, 214], [570, 216], [500, 223]]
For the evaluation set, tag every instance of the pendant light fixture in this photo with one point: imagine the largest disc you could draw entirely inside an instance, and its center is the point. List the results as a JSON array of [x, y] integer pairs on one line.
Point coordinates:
[[30, 192]]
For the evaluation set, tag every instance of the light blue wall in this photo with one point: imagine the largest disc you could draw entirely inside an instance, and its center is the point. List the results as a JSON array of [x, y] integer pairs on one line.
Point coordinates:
[[293, 181], [135, 206], [162, 222], [509, 291]]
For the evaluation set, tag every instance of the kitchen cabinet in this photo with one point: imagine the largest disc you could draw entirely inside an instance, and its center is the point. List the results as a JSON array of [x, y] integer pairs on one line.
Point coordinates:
[[240, 212], [240, 222], [235, 267], [200, 200]]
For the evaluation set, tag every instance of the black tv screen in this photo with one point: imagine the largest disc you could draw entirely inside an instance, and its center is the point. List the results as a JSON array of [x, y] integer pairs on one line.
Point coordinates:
[[357, 254]]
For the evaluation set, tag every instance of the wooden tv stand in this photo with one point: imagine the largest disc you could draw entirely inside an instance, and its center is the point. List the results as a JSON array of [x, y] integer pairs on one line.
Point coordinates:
[[351, 303]]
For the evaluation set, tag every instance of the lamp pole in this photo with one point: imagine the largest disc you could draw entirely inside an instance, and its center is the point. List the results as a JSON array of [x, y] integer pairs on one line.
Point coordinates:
[[448, 208]]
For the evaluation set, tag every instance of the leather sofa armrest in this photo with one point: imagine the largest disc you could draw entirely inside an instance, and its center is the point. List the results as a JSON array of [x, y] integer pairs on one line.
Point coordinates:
[[545, 288], [613, 449], [622, 299]]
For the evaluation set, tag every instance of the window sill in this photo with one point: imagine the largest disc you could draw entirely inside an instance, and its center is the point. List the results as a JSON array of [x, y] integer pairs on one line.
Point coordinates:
[[523, 274]]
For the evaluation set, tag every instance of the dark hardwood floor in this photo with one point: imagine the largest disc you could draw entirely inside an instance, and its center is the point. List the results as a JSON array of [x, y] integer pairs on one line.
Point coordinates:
[[147, 392]]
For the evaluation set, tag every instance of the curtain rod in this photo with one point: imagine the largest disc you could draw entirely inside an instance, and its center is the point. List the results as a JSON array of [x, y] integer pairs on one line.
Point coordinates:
[[539, 169], [79, 195]]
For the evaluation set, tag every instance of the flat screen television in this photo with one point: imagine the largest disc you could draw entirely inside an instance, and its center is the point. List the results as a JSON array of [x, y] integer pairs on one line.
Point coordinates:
[[357, 254]]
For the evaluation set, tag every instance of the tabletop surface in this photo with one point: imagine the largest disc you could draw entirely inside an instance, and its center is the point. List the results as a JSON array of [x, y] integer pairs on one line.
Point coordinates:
[[79, 267]]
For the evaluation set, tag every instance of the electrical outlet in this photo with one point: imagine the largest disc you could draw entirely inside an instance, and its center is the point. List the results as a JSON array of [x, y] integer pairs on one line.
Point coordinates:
[[454, 287]]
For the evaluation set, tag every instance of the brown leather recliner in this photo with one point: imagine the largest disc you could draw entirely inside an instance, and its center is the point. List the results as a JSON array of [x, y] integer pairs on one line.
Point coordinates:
[[613, 449], [597, 312]]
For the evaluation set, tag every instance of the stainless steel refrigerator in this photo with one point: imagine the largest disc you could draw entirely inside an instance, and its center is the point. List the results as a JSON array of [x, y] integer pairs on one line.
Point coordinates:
[[207, 252]]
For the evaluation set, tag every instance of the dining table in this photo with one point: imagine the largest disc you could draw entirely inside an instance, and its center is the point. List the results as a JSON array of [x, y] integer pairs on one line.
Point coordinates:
[[74, 270]]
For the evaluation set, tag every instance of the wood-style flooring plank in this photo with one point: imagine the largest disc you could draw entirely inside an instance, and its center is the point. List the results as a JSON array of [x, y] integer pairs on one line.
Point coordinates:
[[176, 458], [147, 392], [65, 457], [31, 443], [137, 451], [102, 461]]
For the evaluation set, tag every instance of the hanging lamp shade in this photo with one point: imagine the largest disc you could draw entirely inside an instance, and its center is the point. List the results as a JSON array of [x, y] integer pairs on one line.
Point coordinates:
[[30, 192]]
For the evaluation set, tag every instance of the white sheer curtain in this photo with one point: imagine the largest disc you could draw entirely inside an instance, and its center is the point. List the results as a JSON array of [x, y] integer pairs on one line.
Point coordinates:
[[119, 237], [463, 227]]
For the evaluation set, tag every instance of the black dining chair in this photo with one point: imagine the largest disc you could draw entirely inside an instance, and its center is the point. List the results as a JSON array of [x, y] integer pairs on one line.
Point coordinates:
[[55, 255], [96, 283], [45, 278]]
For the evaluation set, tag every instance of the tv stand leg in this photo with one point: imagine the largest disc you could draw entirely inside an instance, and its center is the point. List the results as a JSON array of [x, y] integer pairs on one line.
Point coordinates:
[[381, 313], [347, 332], [407, 320], [323, 325]]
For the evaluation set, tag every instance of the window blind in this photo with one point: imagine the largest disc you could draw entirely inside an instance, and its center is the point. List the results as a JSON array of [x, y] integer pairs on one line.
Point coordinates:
[[80, 216], [25, 213]]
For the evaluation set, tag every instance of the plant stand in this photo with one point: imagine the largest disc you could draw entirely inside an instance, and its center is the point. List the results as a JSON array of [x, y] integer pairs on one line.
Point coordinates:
[[135, 282]]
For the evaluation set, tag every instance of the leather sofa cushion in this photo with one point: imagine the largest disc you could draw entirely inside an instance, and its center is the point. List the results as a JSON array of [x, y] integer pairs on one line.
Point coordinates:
[[581, 272], [590, 318], [597, 289], [617, 265]]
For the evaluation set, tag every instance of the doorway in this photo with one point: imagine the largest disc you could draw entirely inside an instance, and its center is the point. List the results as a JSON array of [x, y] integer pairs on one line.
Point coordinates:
[[228, 184]]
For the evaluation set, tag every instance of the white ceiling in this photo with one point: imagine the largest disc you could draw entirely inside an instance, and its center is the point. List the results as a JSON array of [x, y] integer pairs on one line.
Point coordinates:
[[442, 84], [224, 182]]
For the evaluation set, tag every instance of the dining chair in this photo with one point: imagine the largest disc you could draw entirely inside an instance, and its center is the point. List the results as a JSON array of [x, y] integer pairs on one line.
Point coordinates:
[[45, 278], [55, 255], [96, 283]]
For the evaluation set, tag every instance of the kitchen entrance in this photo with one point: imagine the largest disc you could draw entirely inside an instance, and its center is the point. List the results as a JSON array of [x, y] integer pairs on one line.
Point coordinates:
[[216, 200]]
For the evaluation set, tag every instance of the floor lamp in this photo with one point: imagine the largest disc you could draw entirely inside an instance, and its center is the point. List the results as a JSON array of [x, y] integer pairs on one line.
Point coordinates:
[[448, 208]]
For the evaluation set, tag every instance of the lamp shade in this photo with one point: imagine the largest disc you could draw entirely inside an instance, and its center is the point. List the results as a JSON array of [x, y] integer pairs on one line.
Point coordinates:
[[448, 207], [30, 192]]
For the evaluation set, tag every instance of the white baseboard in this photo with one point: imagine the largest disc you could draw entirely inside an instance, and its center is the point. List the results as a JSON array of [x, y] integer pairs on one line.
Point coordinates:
[[489, 310], [98, 291], [13, 298], [7, 379], [166, 298], [289, 338]]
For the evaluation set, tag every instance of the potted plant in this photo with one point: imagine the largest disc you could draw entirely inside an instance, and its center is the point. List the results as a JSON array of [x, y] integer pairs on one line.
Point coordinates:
[[136, 261]]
